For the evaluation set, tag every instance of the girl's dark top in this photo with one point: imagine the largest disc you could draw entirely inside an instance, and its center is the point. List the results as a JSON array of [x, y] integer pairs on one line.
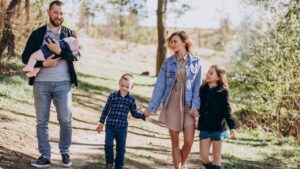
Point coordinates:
[[214, 109]]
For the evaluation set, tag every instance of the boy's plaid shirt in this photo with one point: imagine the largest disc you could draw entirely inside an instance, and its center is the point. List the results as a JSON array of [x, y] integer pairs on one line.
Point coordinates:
[[117, 108]]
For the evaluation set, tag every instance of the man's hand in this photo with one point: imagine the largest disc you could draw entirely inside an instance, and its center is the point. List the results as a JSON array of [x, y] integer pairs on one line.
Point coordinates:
[[54, 46], [194, 112], [50, 62], [99, 128]]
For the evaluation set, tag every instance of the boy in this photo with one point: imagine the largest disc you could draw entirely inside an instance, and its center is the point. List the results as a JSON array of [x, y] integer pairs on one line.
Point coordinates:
[[115, 114]]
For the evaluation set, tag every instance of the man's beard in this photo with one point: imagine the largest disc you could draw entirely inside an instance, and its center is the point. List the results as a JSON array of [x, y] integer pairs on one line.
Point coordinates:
[[56, 24]]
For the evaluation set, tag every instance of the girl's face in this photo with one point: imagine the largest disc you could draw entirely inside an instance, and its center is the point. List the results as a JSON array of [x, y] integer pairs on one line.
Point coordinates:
[[211, 76], [176, 44]]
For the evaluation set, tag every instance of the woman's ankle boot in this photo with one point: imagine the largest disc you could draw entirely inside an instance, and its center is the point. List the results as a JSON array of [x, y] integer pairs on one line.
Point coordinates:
[[216, 167], [207, 166]]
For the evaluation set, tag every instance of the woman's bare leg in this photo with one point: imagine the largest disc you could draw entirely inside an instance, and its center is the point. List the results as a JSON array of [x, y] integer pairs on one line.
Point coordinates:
[[176, 152], [188, 134]]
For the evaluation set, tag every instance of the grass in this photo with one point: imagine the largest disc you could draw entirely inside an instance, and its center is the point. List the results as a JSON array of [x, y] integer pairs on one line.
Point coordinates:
[[259, 149], [15, 88], [13, 84]]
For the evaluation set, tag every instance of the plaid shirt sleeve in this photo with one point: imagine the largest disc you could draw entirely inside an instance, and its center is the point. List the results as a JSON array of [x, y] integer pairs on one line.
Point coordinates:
[[106, 109], [134, 112]]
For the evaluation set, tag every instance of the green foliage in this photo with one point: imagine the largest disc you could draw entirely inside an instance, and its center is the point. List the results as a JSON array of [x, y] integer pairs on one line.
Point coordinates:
[[267, 78], [125, 7]]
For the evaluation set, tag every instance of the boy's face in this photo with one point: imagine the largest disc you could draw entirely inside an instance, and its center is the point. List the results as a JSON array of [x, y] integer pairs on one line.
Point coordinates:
[[125, 86], [211, 76]]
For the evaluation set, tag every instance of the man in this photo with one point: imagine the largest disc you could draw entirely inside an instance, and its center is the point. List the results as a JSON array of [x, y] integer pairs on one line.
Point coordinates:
[[53, 82]]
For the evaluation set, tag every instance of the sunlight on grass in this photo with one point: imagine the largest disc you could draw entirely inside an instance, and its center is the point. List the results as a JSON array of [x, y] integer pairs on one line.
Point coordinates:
[[16, 88], [259, 149]]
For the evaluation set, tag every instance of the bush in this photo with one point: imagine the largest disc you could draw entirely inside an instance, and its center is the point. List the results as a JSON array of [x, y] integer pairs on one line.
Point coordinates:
[[267, 78]]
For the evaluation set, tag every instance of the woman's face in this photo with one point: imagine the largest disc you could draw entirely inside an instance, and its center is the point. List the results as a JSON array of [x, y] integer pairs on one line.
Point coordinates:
[[211, 76], [176, 44]]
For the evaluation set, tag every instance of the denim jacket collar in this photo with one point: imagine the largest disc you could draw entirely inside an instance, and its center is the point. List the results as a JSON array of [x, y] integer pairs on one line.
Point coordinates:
[[188, 61]]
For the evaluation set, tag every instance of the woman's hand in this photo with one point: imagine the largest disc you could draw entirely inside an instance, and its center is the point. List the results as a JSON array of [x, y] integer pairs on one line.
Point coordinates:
[[194, 112], [99, 128], [233, 134]]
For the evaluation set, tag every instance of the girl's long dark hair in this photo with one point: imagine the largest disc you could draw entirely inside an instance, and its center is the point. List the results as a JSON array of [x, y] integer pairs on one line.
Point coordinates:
[[221, 73]]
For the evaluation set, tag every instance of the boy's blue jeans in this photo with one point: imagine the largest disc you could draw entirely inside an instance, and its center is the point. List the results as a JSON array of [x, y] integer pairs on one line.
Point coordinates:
[[120, 134]]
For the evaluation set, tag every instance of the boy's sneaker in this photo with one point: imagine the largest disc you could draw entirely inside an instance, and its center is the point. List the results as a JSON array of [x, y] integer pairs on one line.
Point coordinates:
[[41, 162], [108, 166], [66, 160]]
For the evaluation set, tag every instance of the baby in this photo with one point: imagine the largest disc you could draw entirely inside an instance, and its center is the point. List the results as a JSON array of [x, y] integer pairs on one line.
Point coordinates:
[[42, 54]]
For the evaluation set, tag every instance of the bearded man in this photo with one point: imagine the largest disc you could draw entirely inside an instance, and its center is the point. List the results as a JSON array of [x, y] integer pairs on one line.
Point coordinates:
[[53, 82]]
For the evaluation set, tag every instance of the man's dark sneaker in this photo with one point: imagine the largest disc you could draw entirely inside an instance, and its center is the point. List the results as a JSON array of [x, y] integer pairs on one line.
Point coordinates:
[[41, 162], [66, 160]]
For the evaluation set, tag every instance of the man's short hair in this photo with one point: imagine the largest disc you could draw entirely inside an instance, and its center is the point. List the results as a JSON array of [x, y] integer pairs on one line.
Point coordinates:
[[56, 2]]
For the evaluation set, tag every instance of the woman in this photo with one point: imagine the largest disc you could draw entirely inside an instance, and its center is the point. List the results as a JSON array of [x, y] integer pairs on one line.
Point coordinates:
[[177, 87]]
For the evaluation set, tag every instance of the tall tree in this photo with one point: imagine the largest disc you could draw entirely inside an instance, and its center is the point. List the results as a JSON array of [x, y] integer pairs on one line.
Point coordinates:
[[84, 14], [27, 3], [126, 8], [176, 7], [3, 6], [161, 49], [8, 37]]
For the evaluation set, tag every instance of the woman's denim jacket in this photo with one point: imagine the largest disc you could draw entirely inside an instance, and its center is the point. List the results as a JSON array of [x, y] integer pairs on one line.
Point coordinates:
[[166, 79]]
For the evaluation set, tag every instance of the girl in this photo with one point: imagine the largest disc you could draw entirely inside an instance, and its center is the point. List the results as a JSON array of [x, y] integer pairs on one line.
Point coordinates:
[[177, 87], [214, 111]]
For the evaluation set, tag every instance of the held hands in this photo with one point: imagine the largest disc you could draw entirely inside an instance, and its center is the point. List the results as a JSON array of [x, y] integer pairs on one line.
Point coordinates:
[[233, 134], [54, 46], [194, 112], [99, 128], [147, 113]]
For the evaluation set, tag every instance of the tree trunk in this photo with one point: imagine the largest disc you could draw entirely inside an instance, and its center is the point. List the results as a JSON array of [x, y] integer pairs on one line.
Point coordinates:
[[122, 27], [2, 13], [8, 36], [278, 114], [122, 21], [161, 49], [27, 3]]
